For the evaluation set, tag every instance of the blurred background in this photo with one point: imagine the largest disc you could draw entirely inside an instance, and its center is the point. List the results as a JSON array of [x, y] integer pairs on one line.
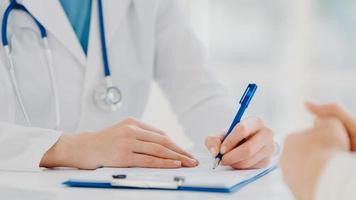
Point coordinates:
[[295, 50]]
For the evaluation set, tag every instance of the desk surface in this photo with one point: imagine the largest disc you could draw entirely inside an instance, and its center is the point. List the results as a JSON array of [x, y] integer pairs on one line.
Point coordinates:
[[47, 185]]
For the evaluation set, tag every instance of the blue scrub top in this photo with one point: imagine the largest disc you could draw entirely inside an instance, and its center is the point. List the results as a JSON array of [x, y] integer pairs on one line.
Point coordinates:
[[78, 13]]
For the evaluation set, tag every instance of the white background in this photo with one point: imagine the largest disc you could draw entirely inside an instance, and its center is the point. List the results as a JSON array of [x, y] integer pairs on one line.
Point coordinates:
[[295, 50]]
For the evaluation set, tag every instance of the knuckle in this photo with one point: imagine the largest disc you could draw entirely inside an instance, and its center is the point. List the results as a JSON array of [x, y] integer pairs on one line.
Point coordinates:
[[225, 160], [243, 131], [334, 107], [243, 135], [162, 132], [130, 120], [217, 140], [126, 128], [158, 150], [242, 128], [167, 163], [264, 163], [147, 161], [245, 163], [129, 130], [166, 141], [269, 133], [259, 120], [229, 143], [207, 141], [212, 140], [247, 150]]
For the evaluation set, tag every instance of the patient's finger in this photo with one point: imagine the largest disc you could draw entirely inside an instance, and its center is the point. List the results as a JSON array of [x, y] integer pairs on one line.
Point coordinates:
[[332, 110]]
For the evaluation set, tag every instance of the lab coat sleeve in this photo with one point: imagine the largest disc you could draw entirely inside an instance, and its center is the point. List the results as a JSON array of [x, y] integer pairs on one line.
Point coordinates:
[[338, 179], [22, 148], [203, 106]]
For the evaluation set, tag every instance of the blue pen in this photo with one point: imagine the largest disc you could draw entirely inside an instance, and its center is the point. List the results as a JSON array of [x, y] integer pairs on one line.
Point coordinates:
[[244, 102]]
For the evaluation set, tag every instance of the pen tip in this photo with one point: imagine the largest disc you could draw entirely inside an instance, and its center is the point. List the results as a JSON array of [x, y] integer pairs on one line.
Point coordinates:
[[216, 163]]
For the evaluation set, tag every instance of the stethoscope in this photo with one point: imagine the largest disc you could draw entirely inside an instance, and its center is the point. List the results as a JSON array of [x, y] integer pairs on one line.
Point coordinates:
[[107, 96]]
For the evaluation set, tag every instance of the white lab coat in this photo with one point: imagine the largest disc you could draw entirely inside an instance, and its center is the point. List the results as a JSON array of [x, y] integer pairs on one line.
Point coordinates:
[[338, 180], [147, 40]]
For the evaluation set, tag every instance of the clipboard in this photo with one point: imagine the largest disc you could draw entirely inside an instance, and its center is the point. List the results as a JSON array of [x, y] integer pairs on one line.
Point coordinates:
[[160, 180]]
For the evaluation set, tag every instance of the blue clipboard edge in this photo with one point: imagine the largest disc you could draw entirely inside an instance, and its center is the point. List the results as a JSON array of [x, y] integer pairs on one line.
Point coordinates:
[[235, 188]]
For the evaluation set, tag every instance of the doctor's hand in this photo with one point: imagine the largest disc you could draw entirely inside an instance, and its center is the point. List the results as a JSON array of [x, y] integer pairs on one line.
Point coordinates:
[[255, 152], [306, 154], [129, 143]]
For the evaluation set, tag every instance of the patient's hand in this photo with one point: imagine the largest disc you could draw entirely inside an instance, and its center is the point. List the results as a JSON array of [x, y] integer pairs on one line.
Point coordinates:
[[306, 153], [335, 110], [256, 152]]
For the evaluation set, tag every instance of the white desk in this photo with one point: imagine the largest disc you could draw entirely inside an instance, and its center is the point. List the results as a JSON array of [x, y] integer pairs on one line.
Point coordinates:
[[49, 182]]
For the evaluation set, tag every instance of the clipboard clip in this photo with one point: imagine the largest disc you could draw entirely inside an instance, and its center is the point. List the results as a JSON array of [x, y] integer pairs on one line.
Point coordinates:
[[147, 182]]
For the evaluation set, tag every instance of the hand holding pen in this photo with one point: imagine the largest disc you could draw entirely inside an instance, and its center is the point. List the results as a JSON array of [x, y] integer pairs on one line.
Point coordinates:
[[248, 144]]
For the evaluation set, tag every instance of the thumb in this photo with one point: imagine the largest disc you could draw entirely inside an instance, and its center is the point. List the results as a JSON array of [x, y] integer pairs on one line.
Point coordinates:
[[213, 144], [319, 110], [328, 110], [333, 110]]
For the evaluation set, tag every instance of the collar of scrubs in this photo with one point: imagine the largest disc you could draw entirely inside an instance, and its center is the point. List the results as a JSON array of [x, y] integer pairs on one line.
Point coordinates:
[[54, 19], [79, 15]]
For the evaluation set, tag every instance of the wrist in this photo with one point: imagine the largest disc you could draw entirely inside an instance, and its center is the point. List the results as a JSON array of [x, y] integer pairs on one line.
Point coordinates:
[[321, 160], [66, 152]]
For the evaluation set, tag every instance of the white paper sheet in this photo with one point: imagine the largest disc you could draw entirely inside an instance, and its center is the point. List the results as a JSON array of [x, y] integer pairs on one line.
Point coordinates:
[[201, 176]]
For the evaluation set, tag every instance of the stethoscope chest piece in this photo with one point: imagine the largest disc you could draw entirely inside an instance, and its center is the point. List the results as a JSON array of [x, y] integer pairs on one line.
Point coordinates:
[[108, 98]]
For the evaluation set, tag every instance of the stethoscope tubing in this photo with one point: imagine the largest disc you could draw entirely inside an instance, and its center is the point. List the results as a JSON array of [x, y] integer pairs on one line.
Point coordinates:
[[107, 72], [49, 59], [16, 6], [48, 54]]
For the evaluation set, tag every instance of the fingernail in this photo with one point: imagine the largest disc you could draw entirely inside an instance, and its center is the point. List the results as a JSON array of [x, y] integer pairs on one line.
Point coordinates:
[[193, 161], [213, 151], [177, 162], [196, 162], [223, 150]]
